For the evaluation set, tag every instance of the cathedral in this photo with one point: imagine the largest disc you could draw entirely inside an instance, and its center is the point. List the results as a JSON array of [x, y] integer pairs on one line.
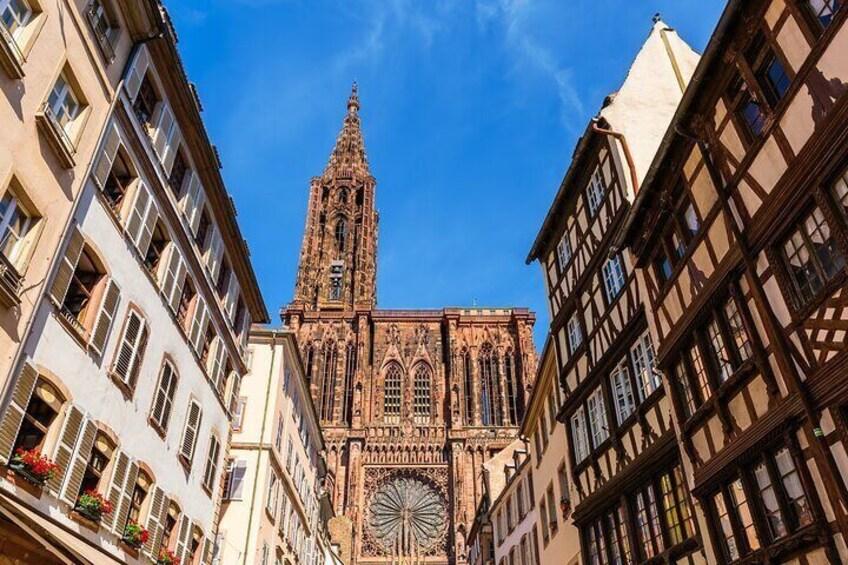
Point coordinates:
[[412, 402]]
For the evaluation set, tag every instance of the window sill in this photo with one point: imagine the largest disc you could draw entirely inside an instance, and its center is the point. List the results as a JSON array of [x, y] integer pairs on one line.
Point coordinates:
[[124, 387], [56, 136], [801, 313], [11, 56], [157, 428], [76, 330]]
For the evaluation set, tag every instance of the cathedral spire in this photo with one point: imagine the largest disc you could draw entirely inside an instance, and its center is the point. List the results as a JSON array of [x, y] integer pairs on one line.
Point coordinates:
[[348, 157]]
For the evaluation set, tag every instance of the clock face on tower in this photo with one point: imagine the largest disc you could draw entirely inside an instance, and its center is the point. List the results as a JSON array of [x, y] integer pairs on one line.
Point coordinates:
[[407, 516]]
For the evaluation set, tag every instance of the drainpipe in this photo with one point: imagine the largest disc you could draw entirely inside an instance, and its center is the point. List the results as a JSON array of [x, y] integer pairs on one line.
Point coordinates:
[[274, 334], [634, 178]]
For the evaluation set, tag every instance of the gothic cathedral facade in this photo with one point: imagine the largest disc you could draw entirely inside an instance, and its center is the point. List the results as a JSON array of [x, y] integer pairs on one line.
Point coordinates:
[[411, 402]]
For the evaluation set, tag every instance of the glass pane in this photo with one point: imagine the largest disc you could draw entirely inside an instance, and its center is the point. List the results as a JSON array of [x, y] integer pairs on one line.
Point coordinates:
[[723, 515], [691, 219], [743, 510], [777, 525], [737, 329], [793, 487]]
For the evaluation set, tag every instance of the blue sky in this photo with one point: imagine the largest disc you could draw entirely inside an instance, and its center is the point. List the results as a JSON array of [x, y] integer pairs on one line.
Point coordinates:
[[470, 110]]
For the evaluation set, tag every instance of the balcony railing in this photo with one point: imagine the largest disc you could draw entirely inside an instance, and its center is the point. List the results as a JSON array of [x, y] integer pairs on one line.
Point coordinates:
[[11, 56], [10, 283], [100, 25], [56, 135]]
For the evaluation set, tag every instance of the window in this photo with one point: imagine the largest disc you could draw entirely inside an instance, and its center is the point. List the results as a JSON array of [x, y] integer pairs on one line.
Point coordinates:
[[40, 414], [595, 192], [336, 274], [103, 29], [824, 10], [490, 387], [130, 352], [597, 417], [271, 494], [145, 102], [733, 514], [768, 69], [341, 234], [15, 14], [234, 485], [747, 110], [811, 257], [579, 435], [683, 225], [350, 374], [422, 395], [613, 272], [513, 390], [192, 427], [211, 469], [564, 251], [543, 517], [16, 226], [328, 382], [392, 395], [642, 355], [140, 490], [469, 388], [63, 106], [613, 526], [163, 399], [622, 392], [562, 479], [575, 335], [101, 454], [692, 380], [552, 509]]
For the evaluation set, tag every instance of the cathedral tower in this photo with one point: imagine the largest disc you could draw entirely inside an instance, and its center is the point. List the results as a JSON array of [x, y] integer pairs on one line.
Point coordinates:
[[338, 267]]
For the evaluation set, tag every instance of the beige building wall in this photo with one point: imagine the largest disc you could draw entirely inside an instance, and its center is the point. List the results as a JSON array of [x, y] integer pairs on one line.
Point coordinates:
[[275, 508], [513, 513], [547, 468]]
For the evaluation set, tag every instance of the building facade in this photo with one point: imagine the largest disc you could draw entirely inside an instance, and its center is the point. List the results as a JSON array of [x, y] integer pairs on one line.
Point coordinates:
[[514, 513], [128, 376], [748, 298], [624, 472], [412, 402], [556, 538], [275, 505]]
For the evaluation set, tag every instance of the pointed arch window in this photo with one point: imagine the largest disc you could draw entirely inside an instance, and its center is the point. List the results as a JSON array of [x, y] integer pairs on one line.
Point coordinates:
[[309, 359], [392, 395], [515, 407], [492, 414], [350, 372], [421, 402], [328, 382], [341, 234], [469, 388]]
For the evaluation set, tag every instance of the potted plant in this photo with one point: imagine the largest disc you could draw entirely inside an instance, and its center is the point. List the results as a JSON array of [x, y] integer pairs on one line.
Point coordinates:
[[167, 557], [135, 535], [92, 505], [32, 466]]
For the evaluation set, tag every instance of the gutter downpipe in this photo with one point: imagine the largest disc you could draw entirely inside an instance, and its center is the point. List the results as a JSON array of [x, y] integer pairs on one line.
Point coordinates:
[[634, 178], [274, 334]]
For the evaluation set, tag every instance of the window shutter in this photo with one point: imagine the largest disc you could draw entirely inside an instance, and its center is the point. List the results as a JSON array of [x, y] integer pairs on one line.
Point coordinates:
[[199, 322], [208, 551], [107, 156], [215, 364], [104, 319], [117, 483], [236, 482], [193, 202], [215, 253], [173, 278], [145, 235], [137, 72], [234, 390], [155, 517], [11, 422], [122, 510], [232, 297], [64, 451], [135, 367], [172, 145], [131, 347], [182, 538], [164, 127], [67, 264], [179, 281], [161, 410], [190, 433], [76, 469], [212, 463]]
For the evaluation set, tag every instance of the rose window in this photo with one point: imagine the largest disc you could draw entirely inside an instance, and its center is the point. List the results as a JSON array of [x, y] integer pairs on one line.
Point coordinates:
[[407, 516]]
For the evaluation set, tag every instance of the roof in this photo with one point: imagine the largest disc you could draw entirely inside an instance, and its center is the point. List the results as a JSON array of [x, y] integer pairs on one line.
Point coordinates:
[[711, 55], [639, 112]]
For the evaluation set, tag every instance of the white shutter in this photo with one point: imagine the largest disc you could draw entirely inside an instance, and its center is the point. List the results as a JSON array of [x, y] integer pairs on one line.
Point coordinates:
[[107, 156], [14, 414], [232, 297], [145, 235], [117, 484], [215, 253], [76, 468], [182, 539], [199, 321], [172, 145], [137, 72], [174, 277], [162, 403], [216, 362], [155, 518], [192, 203], [211, 469], [128, 358], [192, 426], [138, 212], [164, 131], [108, 307], [235, 483], [121, 510], [235, 385]]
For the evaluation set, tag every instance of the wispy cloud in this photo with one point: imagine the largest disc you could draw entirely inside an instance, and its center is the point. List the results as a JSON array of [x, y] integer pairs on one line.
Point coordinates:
[[518, 20]]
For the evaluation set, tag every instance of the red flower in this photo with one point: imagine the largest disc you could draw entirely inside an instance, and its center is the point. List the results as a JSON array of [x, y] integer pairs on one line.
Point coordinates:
[[95, 502], [35, 463], [167, 557]]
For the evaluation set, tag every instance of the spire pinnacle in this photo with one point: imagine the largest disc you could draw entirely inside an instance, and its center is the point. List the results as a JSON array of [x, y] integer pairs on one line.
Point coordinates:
[[348, 155]]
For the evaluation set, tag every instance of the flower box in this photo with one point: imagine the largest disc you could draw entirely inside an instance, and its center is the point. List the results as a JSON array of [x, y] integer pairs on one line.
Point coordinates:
[[135, 535], [167, 557], [92, 506], [32, 466]]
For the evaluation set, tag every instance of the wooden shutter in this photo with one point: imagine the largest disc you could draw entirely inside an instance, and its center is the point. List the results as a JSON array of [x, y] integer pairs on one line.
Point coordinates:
[[211, 462], [172, 145], [136, 74], [193, 202], [199, 322], [182, 538], [108, 307], [215, 253], [162, 403], [192, 426], [130, 349], [174, 278], [107, 156], [177, 289], [122, 509], [135, 367], [164, 126], [147, 228], [232, 297], [208, 551], [67, 265], [215, 363], [14, 414], [76, 468], [64, 451], [234, 390], [155, 518], [117, 483]]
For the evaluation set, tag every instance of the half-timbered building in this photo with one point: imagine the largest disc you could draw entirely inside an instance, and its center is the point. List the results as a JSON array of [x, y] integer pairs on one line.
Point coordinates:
[[627, 492], [742, 231]]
